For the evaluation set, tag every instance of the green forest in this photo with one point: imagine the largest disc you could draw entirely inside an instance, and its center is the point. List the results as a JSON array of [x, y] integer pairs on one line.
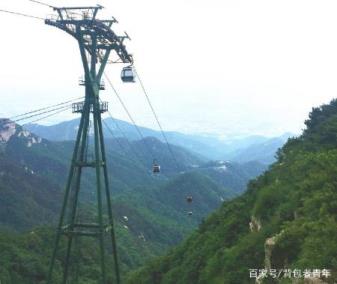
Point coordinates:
[[150, 212], [287, 219], [220, 167]]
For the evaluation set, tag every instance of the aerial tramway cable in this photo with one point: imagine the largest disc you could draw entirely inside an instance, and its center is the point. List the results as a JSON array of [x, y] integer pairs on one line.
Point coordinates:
[[114, 136], [44, 108], [49, 110], [147, 147], [21, 14], [137, 158], [120, 129], [49, 115], [122, 132], [41, 3], [157, 119], [44, 112]]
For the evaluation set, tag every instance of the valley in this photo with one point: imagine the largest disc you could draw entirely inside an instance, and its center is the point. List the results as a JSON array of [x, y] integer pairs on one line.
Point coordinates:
[[285, 219], [193, 142], [151, 212]]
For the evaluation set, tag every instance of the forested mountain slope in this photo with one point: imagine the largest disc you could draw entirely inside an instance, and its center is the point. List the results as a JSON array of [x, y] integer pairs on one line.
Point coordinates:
[[26, 200], [30, 160], [150, 211], [286, 220]]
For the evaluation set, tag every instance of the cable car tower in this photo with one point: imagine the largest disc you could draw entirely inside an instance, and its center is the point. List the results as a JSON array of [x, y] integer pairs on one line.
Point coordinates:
[[98, 45]]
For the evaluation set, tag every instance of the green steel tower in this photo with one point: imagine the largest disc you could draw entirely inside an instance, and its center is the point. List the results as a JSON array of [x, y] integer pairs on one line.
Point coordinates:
[[98, 45]]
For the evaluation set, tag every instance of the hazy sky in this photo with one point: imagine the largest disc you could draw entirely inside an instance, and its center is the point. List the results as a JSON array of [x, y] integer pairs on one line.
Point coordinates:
[[217, 66]]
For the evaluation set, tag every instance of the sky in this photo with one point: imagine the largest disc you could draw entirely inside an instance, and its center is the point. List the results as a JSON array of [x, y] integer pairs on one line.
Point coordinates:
[[220, 67]]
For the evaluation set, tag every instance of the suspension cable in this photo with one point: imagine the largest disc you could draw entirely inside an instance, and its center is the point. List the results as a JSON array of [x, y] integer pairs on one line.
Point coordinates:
[[21, 14], [157, 119], [125, 137], [132, 149], [147, 147], [44, 108], [41, 3], [124, 150], [117, 126], [122, 147], [114, 136], [49, 115], [44, 112]]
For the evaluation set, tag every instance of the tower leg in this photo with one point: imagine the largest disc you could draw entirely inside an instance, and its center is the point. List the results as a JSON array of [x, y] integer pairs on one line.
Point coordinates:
[[83, 147], [108, 198], [66, 197], [99, 161]]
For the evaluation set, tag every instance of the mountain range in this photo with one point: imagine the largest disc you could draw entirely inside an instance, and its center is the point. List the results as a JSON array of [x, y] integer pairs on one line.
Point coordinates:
[[33, 172], [237, 149], [283, 229]]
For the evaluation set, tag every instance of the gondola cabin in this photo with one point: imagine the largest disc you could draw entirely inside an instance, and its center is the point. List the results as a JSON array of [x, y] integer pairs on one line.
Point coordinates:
[[156, 168], [189, 199], [128, 75], [190, 213]]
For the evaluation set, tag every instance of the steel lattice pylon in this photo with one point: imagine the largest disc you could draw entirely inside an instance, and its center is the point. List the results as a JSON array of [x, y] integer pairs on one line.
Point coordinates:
[[96, 41]]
